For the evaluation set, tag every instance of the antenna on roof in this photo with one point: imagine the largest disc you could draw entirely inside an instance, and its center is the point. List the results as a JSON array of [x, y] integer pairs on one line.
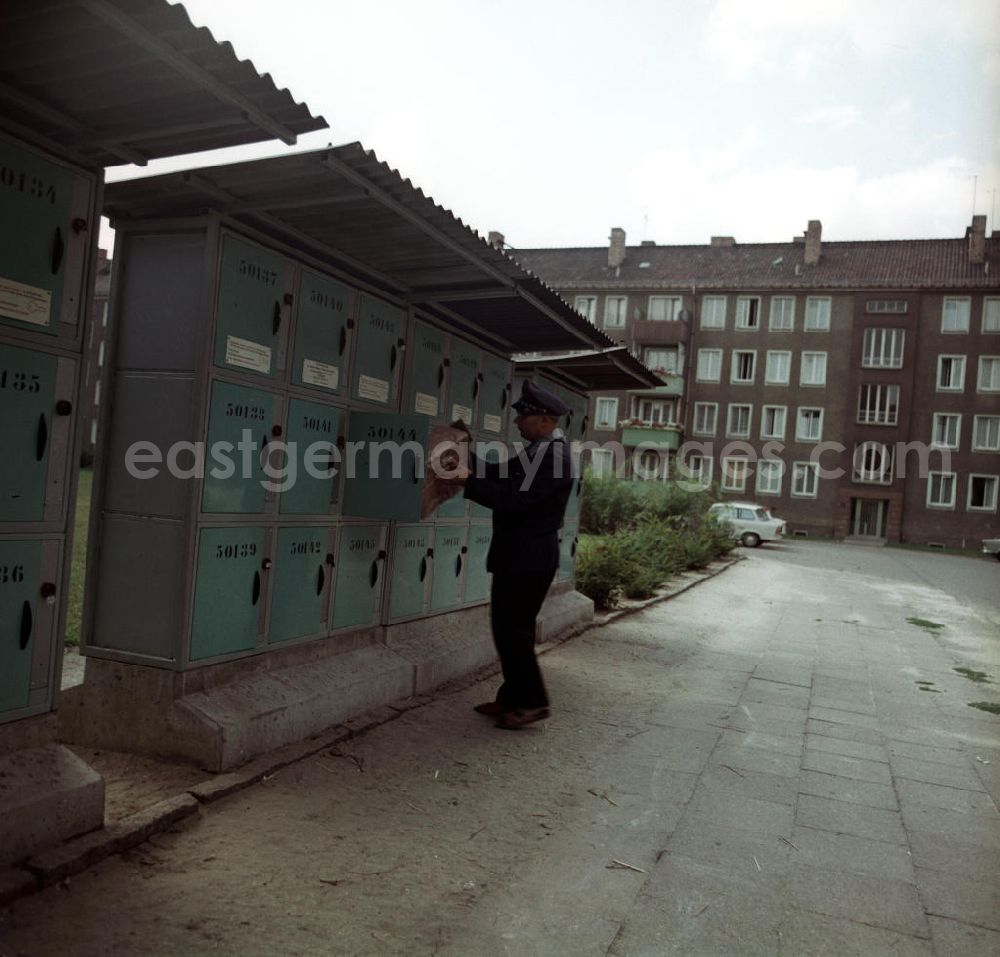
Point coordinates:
[[645, 223]]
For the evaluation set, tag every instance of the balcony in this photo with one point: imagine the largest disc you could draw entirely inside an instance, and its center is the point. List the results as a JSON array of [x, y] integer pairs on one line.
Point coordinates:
[[657, 332], [653, 436]]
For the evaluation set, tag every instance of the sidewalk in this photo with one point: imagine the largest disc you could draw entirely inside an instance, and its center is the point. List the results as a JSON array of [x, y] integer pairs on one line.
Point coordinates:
[[750, 768]]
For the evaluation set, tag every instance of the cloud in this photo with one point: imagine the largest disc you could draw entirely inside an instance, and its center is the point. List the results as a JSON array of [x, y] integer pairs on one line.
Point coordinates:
[[835, 118], [902, 105]]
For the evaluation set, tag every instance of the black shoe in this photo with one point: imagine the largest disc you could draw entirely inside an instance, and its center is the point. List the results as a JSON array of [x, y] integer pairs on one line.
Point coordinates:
[[522, 717], [492, 709]]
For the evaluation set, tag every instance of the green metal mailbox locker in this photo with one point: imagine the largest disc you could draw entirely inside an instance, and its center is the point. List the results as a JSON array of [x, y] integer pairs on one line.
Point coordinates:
[[302, 577], [477, 579], [322, 333], [311, 436], [359, 579], [465, 382], [255, 297], [409, 578], [381, 336], [495, 396], [428, 363], [567, 550], [20, 585], [448, 571]]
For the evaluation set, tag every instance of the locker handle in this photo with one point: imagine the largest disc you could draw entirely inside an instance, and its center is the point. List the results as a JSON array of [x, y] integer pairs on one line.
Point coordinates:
[[263, 452], [41, 438], [416, 471], [423, 568], [373, 574], [584, 424], [440, 375], [458, 565], [58, 248], [27, 622], [256, 588], [572, 548], [343, 339], [392, 358], [276, 318], [475, 388], [320, 580], [503, 397]]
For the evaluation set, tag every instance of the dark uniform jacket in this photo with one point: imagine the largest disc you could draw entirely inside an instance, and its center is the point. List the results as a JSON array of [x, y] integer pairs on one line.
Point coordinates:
[[526, 521]]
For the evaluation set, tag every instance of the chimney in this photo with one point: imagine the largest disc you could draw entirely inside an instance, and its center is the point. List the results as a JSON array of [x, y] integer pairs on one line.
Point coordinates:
[[813, 234], [719, 241], [616, 251], [977, 241], [495, 239]]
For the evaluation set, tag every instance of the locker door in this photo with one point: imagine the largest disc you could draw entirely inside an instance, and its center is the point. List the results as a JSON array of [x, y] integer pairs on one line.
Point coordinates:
[[252, 312], [450, 558], [360, 569], [575, 498], [411, 567], [455, 507], [311, 426], [495, 396], [567, 551], [322, 336], [20, 573], [303, 568], [464, 386], [27, 393], [36, 239], [425, 388], [230, 590], [477, 579], [381, 335], [491, 453], [237, 416], [578, 417]]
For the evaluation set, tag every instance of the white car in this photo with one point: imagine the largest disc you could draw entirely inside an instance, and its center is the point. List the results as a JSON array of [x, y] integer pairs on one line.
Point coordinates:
[[752, 524]]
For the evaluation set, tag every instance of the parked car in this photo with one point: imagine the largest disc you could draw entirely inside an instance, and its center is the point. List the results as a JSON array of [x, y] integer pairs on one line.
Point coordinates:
[[751, 523], [991, 546]]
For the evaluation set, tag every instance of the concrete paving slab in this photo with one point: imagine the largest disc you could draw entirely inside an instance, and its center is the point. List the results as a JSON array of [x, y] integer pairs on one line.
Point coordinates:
[[712, 842], [839, 716], [771, 670], [955, 757], [782, 743], [830, 937], [851, 854], [749, 784], [878, 824], [971, 902], [761, 691], [849, 790], [756, 759], [770, 718], [760, 818], [951, 826], [820, 702], [858, 768], [968, 861], [845, 732], [953, 937], [851, 749], [949, 798], [933, 772]]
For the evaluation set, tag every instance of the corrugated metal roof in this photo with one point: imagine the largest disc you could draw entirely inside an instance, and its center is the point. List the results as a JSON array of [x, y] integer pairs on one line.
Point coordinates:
[[878, 264], [610, 369], [107, 82], [348, 208]]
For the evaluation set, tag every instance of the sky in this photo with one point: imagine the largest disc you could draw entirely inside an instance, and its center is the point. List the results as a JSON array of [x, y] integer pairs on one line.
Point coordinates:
[[553, 121]]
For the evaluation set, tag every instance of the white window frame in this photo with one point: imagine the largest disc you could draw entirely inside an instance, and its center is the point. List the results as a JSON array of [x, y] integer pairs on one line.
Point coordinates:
[[969, 507], [931, 502], [883, 357], [766, 468], [660, 411], [667, 352], [817, 319], [776, 433], [788, 367], [777, 317], [995, 363], [744, 308], [716, 317], [735, 480], [976, 425], [729, 420], [702, 474], [884, 410], [734, 361], [705, 408], [715, 354], [821, 381], [678, 305], [946, 422], [956, 361], [607, 459], [799, 437], [885, 475], [990, 323], [809, 488], [612, 322], [587, 307], [960, 308], [612, 403]]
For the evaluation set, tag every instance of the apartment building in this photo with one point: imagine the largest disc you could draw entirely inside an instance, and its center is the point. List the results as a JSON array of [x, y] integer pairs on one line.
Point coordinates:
[[854, 387]]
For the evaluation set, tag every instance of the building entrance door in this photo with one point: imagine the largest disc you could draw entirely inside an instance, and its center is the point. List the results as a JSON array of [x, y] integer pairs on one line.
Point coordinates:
[[868, 517]]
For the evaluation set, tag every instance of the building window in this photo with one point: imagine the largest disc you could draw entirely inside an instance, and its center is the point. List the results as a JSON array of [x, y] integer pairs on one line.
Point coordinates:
[[654, 411], [782, 313], [664, 308], [813, 369], [883, 348], [805, 479], [772, 422], [747, 312], [734, 473], [713, 312], [809, 425], [886, 305], [97, 392], [941, 489], [878, 404], [986, 433], [709, 365], [982, 493], [652, 465], [706, 415], [662, 360], [607, 414], [873, 462], [614, 311], [817, 314], [587, 307], [779, 366], [744, 366], [955, 315], [699, 470], [738, 425], [602, 463], [769, 474], [946, 431], [951, 373], [989, 374], [991, 314]]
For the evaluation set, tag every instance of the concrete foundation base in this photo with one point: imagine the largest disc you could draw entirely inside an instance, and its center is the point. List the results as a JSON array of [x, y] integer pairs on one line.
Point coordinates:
[[47, 795]]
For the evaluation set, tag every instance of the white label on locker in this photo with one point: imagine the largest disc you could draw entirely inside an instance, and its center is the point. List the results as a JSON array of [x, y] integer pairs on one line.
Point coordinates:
[[247, 354], [462, 412], [492, 423], [377, 390], [425, 404], [322, 374], [25, 303]]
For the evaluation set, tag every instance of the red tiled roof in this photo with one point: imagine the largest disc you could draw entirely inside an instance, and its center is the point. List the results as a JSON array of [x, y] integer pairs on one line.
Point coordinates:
[[890, 264]]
